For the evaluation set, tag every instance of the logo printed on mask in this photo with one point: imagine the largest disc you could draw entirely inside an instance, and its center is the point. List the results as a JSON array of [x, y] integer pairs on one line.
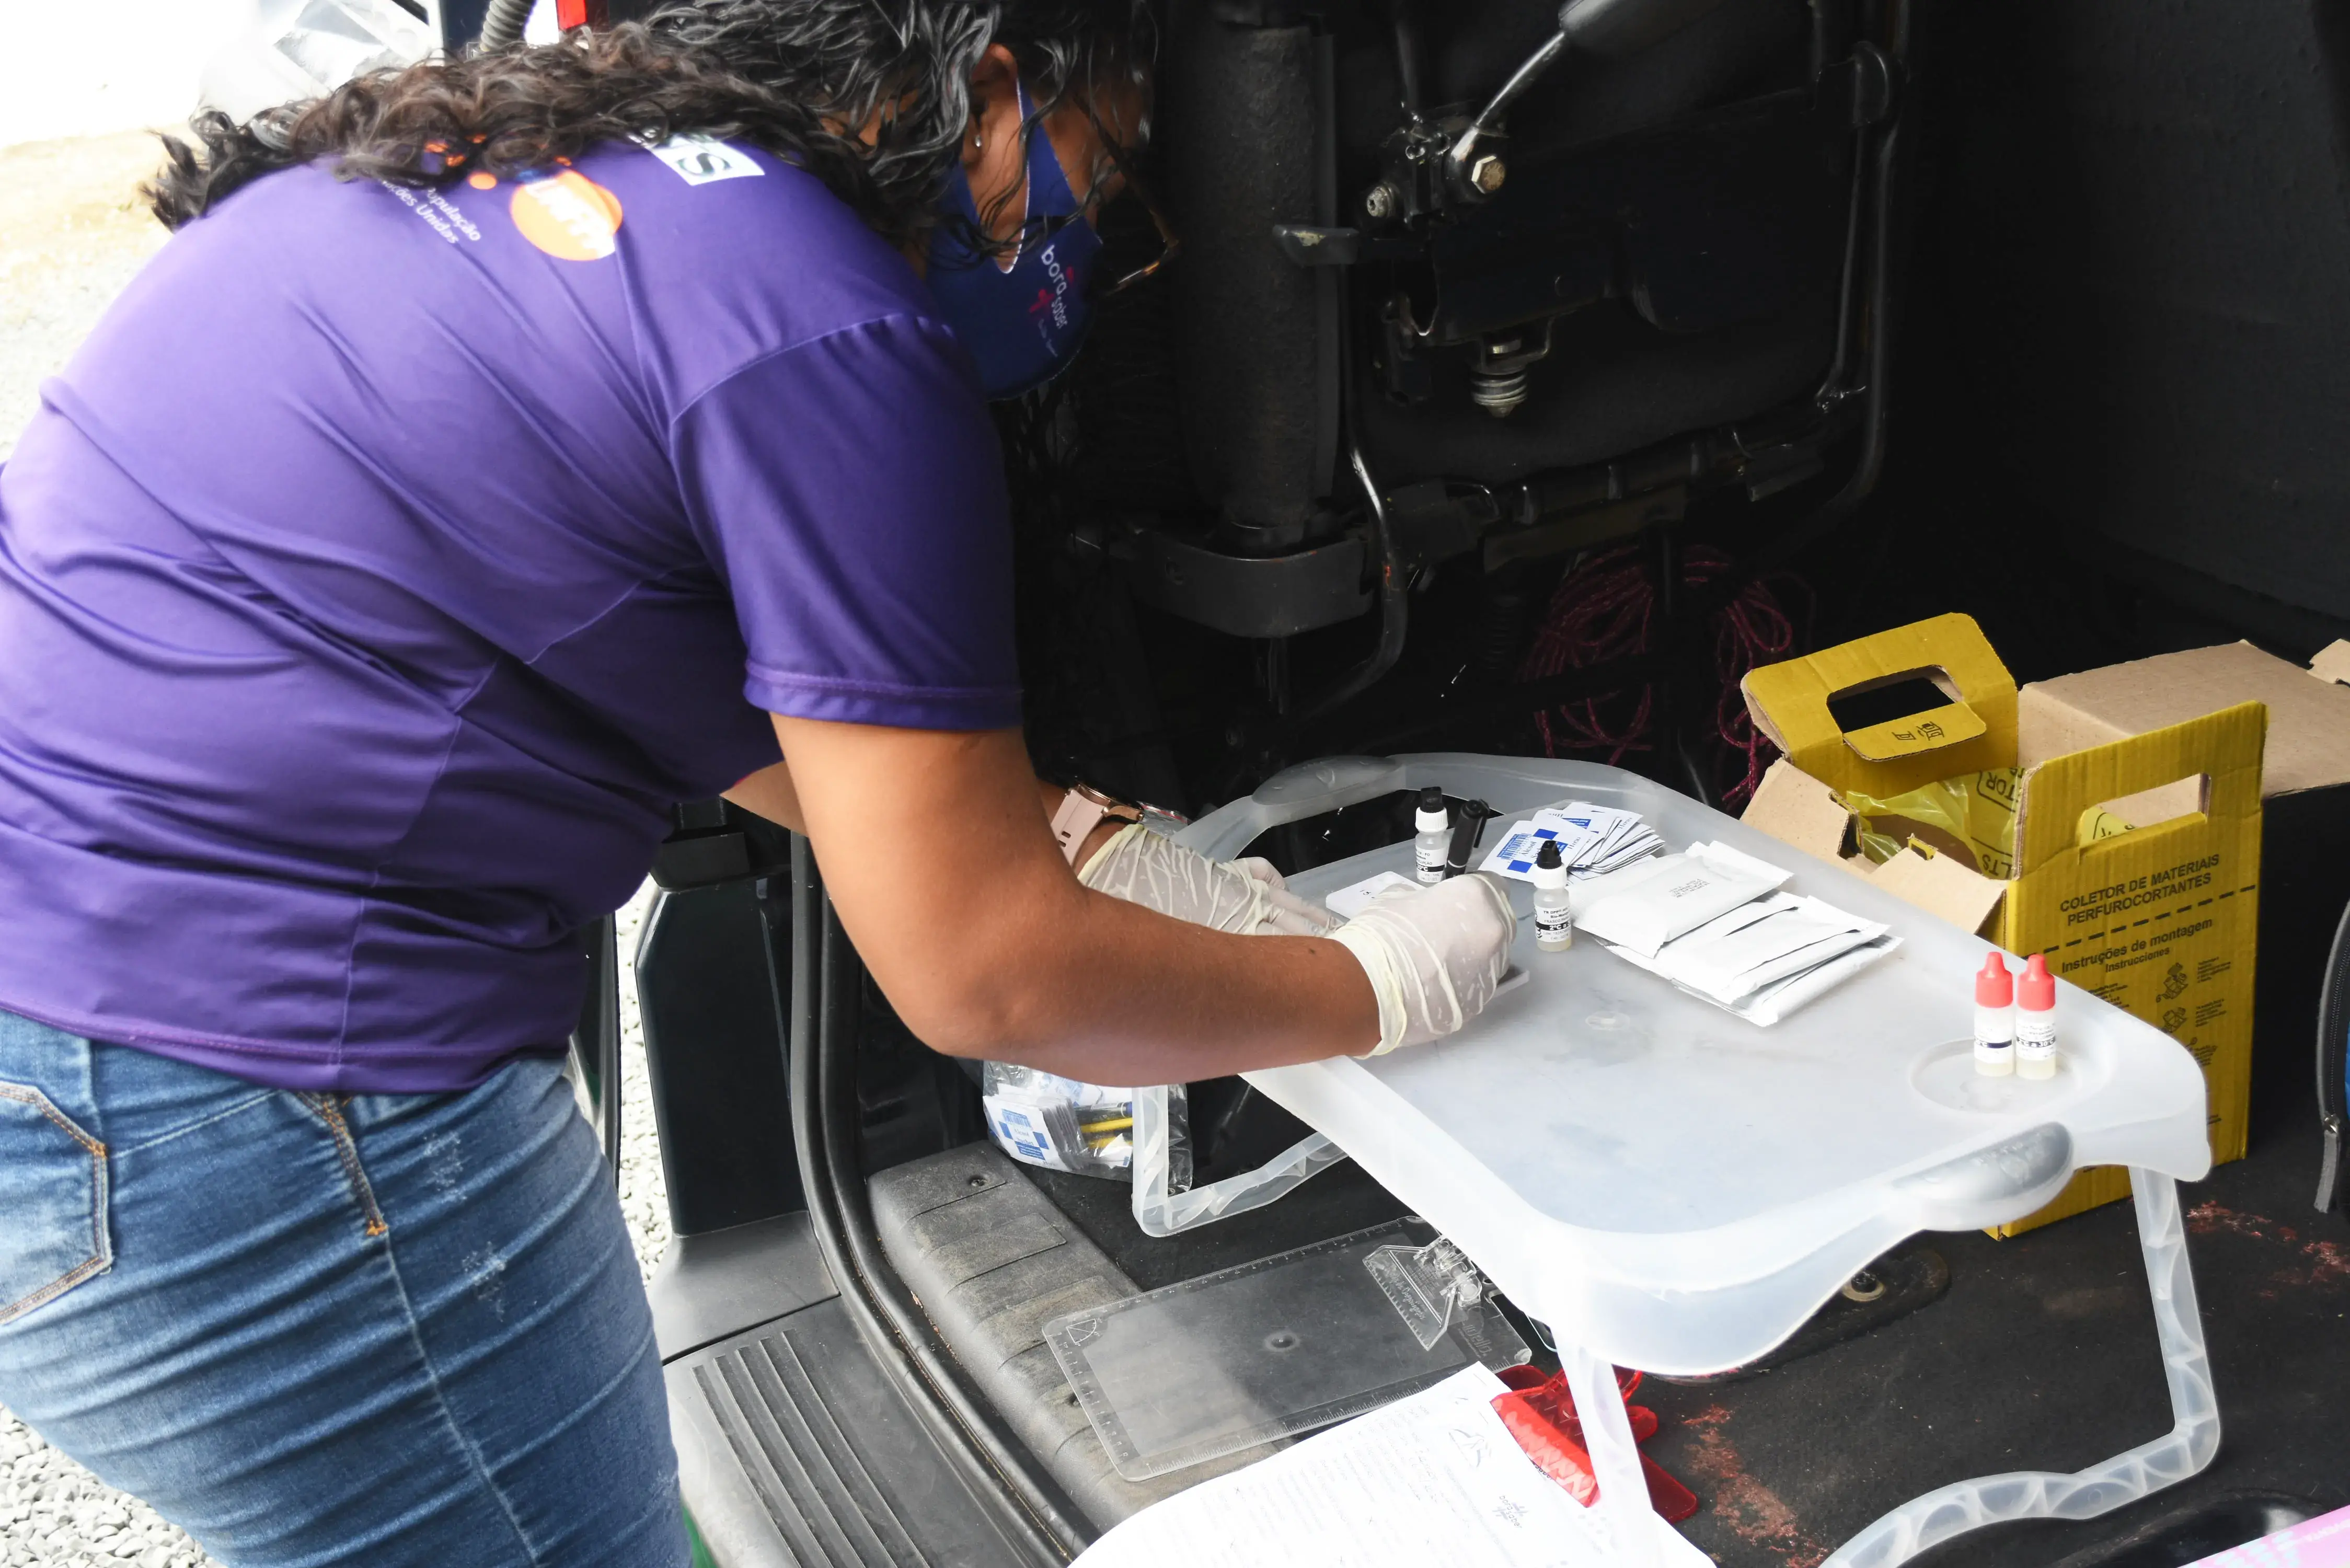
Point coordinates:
[[1024, 324], [1056, 298]]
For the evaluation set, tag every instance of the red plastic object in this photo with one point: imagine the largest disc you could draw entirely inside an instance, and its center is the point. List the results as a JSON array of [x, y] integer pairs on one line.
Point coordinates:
[[2035, 988], [570, 14], [1994, 984], [1540, 1414]]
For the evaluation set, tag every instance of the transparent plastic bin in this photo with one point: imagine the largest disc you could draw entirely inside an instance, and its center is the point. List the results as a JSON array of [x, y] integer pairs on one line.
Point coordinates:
[[1277, 1348], [1670, 1187]]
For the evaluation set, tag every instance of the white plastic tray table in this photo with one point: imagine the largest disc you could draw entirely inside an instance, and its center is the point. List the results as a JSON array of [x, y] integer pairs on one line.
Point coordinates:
[[1668, 1187]]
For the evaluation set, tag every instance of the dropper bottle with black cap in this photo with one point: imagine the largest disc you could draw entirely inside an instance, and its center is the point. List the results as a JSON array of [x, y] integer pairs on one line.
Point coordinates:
[[1431, 826], [1553, 923]]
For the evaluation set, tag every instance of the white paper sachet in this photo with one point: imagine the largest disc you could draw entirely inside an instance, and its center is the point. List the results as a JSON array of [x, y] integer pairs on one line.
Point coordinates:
[[1722, 926], [1710, 880], [1584, 895], [1780, 998], [1775, 1002], [1792, 934]]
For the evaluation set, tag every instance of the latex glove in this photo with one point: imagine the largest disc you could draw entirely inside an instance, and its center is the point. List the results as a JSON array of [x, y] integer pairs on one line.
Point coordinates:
[[1242, 895], [1434, 955]]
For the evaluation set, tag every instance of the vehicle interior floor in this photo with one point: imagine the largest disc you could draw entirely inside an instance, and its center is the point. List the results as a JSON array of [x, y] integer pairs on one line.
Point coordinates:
[[2042, 1355]]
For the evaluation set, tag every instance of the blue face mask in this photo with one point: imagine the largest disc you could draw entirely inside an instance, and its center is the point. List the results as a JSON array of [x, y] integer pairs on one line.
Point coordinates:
[[1023, 326]]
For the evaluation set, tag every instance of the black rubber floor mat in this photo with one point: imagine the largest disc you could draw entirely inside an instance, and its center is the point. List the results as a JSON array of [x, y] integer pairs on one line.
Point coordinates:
[[2042, 1356], [2186, 1535], [992, 1260], [794, 1452], [1338, 1202], [1893, 1286]]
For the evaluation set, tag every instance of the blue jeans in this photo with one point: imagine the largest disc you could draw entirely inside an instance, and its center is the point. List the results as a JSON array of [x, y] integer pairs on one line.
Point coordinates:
[[385, 1329]]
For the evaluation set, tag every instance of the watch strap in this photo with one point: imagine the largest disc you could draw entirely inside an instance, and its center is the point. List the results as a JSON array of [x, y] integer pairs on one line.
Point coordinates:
[[1081, 811]]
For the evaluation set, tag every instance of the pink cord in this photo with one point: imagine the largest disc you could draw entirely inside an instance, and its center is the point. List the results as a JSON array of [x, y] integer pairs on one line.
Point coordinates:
[[1602, 611]]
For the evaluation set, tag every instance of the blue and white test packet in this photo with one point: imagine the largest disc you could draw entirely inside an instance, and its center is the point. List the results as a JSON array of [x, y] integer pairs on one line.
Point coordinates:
[[1592, 840]]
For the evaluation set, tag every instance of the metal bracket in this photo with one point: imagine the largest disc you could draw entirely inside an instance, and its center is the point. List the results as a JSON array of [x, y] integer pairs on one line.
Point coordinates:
[[1876, 86], [1306, 245], [1242, 595]]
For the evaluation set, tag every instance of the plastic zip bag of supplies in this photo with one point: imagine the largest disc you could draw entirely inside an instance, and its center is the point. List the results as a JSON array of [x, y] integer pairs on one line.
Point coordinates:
[[1042, 1119]]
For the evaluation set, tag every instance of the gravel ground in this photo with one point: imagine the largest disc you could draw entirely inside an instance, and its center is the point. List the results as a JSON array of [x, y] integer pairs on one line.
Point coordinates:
[[71, 235]]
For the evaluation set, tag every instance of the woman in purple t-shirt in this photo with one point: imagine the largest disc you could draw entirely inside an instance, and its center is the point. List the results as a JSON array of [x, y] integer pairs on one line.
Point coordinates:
[[502, 452]]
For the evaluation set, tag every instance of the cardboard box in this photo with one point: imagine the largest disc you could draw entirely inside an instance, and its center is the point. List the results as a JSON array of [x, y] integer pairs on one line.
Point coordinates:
[[2306, 836], [2160, 919]]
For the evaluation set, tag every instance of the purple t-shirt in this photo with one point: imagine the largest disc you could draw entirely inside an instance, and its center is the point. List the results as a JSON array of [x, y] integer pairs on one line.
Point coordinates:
[[388, 564]]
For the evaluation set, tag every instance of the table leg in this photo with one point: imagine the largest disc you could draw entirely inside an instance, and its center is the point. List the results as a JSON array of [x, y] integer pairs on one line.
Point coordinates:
[[1615, 1459], [2193, 1438]]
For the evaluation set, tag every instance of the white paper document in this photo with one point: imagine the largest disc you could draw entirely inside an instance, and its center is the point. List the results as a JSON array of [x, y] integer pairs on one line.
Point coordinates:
[[1431, 1481]]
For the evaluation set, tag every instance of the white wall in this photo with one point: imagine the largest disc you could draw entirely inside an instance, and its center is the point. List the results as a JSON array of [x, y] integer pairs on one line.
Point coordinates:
[[82, 67]]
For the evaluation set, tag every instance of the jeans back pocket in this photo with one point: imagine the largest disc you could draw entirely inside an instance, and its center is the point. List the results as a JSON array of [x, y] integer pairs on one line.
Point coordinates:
[[53, 1232]]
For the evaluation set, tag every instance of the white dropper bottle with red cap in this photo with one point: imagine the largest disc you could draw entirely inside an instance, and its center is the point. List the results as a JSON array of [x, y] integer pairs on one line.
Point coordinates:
[[1994, 1018], [2035, 1020]]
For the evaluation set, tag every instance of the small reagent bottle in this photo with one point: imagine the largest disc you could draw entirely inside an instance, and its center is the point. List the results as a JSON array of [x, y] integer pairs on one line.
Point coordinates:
[[1432, 825], [1994, 1018], [1554, 925], [2035, 1020]]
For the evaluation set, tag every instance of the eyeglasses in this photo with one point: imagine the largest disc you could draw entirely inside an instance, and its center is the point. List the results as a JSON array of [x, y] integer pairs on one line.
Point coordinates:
[[1168, 243], [1121, 159]]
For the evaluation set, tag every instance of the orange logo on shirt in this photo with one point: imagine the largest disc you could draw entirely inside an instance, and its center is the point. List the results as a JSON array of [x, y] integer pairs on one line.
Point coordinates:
[[568, 216]]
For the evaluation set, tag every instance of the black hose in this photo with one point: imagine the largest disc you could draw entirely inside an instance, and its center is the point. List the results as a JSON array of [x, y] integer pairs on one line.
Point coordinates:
[[2333, 1075], [827, 990], [503, 23], [1870, 466], [1395, 601]]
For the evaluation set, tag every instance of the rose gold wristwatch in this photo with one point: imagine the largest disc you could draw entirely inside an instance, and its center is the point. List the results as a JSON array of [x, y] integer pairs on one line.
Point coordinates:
[[1081, 811]]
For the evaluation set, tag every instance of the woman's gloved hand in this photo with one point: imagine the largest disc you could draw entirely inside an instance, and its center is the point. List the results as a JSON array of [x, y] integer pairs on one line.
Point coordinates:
[[1242, 895], [1434, 955]]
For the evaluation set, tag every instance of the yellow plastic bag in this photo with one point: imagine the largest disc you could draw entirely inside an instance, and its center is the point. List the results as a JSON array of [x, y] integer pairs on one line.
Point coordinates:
[[1973, 814]]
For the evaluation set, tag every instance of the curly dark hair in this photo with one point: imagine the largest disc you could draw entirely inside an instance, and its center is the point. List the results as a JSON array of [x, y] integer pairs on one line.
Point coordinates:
[[799, 78]]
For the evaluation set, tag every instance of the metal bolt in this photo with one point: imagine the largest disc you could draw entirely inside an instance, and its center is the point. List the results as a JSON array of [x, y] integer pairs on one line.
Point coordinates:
[[1487, 174], [1379, 201], [1497, 392], [1862, 1286]]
